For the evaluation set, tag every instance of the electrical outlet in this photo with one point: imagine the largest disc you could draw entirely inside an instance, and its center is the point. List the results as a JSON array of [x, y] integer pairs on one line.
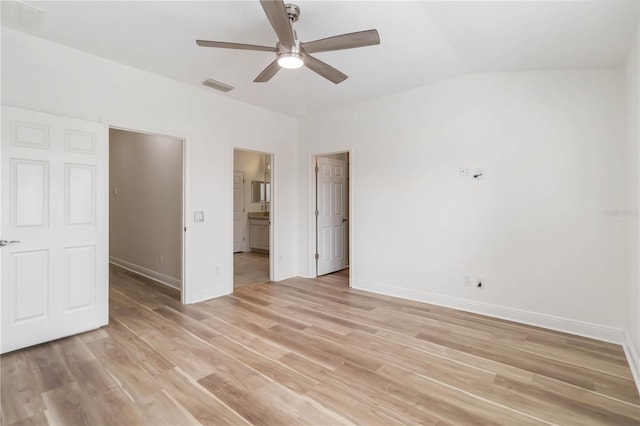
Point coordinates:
[[198, 216], [466, 280]]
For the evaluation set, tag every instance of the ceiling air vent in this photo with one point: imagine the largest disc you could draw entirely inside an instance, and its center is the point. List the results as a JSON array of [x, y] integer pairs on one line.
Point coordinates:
[[21, 14], [217, 85]]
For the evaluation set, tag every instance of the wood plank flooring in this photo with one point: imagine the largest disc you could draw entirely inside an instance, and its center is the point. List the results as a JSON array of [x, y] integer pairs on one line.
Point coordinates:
[[250, 268], [312, 352]]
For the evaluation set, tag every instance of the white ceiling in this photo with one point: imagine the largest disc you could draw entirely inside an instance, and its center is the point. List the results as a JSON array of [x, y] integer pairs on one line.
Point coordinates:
[[421, 42]]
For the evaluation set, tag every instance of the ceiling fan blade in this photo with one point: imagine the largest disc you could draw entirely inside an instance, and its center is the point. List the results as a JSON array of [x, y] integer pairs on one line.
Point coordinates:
[[241, 46], [268, 72], [344, 41], [325, 70], [279, 18]]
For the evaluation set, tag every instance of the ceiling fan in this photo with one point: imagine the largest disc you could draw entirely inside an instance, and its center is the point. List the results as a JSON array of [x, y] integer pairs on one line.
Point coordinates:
[[290, 52]]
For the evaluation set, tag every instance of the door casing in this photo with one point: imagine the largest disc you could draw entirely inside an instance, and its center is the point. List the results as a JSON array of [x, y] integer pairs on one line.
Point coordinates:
[[311, 203], [184, 291], [242, 225], [332, 213], [272, 212]]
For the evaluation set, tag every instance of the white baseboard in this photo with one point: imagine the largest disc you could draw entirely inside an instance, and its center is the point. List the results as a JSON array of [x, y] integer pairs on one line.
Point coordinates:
[[580, 328], [146, 272], [281, 276], [208, 294], [633, 357]]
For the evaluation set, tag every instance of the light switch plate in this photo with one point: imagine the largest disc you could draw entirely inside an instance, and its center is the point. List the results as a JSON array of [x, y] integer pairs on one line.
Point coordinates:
[[198, 216]]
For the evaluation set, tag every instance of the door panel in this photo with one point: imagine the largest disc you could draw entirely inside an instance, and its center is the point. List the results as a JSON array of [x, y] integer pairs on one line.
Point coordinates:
[[326, 244], [29, 135], [29, 193], [54, 200], [80, 277], [332, 216], [80, 194], [338, 241], [29, 286], [80, 142]]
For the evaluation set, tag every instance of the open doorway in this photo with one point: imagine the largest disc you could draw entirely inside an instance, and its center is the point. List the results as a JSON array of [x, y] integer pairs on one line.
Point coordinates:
[[252, 206], [331, 213], [146, 208]]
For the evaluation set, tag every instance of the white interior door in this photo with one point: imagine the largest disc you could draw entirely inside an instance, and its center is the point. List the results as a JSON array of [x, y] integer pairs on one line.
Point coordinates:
[[238, 212], [331, 215], [55, 202]]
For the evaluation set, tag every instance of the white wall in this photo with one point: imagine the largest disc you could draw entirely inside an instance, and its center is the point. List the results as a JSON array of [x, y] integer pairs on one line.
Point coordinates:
[[44, 76], [537, 229], [145, 204], [633, 191]]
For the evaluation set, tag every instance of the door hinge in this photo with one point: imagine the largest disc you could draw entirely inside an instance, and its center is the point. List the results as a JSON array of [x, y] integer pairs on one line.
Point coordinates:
[[317, 169], [317, 213], [185, 229], [317, 256], [243, 180], [243, 210]]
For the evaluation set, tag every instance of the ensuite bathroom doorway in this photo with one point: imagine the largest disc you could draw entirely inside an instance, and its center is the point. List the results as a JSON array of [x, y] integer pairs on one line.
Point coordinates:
[[251, 217]]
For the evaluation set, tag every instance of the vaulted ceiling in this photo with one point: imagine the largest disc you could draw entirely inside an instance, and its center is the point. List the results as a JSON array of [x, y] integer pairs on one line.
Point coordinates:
[[421, 42]]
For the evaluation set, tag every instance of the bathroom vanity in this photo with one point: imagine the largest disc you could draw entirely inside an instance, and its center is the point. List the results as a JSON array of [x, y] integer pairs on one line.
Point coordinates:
[[259, 231]]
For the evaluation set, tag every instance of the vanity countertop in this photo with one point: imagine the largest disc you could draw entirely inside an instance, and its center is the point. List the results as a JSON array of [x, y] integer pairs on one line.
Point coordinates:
[[258, 215]]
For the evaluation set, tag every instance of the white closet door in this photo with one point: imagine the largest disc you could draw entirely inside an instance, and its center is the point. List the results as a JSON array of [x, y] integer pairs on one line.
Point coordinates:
[[55, 202], [332, 220]]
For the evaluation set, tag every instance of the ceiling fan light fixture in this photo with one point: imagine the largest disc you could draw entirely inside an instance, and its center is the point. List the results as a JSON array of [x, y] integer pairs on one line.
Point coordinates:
[[290, 52], [290, 60]]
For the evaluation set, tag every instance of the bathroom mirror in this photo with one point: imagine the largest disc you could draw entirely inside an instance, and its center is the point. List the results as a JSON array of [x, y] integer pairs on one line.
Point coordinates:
[[260, 192]]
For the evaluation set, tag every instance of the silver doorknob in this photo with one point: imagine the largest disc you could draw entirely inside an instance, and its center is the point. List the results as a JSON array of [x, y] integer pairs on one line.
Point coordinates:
[[6, 243]]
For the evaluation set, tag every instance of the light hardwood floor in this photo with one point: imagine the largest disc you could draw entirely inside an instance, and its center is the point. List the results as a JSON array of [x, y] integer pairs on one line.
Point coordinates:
[[250, 268], [312, 352]]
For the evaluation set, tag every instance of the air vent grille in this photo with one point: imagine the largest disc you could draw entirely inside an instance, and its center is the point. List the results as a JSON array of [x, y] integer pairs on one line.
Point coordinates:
[[21, 14], [217, 85]]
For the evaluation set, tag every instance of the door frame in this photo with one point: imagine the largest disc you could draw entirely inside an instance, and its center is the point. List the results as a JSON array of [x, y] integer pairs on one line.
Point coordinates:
[[244, 219], [313, 194], [184, 276], [272, 211]]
